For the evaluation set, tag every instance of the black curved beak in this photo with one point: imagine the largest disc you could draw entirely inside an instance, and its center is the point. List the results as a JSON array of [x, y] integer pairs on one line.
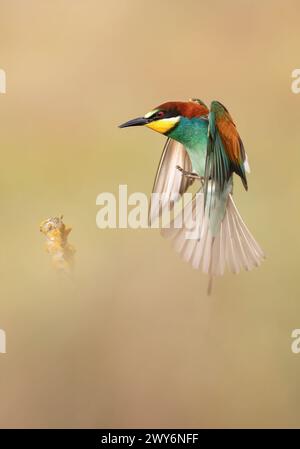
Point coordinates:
[[140, 121]]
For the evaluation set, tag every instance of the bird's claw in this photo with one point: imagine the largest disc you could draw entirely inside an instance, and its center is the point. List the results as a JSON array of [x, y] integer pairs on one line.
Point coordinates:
[[189, 174]]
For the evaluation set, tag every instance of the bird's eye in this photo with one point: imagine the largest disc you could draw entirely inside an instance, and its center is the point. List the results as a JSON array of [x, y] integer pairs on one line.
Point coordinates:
[[160, 114]]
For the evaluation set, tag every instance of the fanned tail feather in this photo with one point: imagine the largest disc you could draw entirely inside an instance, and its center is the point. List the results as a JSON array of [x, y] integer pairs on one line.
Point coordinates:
[[233, 246]]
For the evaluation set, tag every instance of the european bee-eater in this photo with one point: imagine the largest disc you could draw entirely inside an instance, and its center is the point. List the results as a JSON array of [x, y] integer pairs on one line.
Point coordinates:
[[204, 144]]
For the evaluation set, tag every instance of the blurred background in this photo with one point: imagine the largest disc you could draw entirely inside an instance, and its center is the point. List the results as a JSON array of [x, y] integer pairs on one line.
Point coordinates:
[[132, 340]]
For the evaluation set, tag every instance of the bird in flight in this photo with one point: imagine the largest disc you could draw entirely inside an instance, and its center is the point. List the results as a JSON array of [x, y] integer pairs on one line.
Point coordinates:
[[203, 144]]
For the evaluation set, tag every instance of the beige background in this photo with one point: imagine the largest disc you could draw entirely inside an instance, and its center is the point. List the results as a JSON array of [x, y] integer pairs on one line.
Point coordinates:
[[133, 340]]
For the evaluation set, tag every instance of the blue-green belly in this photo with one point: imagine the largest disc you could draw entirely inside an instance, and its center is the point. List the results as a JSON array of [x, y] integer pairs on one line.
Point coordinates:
[[192, 133]]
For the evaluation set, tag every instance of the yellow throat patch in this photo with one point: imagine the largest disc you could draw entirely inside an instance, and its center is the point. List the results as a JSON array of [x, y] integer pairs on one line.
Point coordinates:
[[164, 125]]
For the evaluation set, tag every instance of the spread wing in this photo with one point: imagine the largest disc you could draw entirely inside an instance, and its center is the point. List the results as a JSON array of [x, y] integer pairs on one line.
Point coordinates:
[[225, 149], [169, 182]]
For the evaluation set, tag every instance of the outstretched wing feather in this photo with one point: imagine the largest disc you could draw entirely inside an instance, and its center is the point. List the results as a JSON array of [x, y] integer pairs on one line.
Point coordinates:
[[169, 181]]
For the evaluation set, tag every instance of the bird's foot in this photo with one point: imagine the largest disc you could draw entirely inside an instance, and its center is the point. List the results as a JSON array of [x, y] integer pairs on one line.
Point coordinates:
[[189, 174]]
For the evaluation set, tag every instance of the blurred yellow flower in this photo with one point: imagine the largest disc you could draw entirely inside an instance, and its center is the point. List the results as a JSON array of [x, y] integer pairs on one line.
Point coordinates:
[[57, 245]]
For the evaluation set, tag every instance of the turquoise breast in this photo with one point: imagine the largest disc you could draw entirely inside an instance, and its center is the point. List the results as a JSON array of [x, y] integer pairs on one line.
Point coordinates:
[[192, 133]]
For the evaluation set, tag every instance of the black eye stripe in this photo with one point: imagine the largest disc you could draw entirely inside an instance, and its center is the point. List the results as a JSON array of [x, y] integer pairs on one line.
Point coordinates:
[[164, 114]]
